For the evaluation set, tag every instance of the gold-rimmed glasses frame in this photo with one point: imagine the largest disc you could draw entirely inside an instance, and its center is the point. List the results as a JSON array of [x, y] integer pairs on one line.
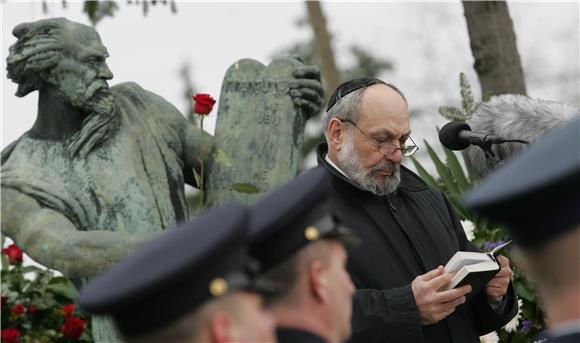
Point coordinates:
[[387, 148]]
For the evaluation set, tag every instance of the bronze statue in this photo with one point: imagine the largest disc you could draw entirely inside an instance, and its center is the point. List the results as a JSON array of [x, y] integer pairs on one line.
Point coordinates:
[[103, 169]]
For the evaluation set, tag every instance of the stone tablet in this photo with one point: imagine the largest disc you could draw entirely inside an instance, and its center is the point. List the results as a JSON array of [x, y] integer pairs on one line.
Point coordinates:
[[258, 127]]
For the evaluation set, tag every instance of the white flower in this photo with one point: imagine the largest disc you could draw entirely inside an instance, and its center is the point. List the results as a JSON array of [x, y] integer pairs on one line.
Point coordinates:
[[515, 322], [491, 337], [468, 227]]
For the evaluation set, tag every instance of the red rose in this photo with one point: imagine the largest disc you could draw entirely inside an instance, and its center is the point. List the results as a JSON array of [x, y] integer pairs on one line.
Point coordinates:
[[73, 327], [67, 310], [203, 103], [31, 309], [17, 309], [11, 335], [13, 253]]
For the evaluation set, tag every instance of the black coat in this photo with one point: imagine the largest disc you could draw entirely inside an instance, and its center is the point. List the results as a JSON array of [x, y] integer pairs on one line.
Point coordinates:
[[405, 234], [292, 335]]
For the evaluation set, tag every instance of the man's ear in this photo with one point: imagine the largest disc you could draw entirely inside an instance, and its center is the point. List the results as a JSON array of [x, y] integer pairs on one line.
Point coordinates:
[[318, 281], [335, 131], [220, 328]]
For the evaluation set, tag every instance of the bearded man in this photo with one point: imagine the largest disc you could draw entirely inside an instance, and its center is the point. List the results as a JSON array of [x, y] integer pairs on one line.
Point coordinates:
[[102, 170], [408, 230]]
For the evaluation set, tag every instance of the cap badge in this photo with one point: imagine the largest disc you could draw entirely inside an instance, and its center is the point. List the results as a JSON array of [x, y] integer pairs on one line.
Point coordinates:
[[311, 233], [218, 287]]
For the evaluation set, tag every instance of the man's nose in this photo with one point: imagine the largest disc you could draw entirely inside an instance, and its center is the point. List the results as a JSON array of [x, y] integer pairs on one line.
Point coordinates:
[[396, 156], [105, 72]]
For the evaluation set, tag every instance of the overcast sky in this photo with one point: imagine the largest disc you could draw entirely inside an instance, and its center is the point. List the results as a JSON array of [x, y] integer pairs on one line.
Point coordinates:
[[427, 43]]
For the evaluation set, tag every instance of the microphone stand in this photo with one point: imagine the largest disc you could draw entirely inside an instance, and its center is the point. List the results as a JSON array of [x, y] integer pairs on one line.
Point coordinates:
[[491, 159]]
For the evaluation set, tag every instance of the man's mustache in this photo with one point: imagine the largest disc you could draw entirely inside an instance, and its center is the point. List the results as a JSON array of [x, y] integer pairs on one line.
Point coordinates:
[[390, 167]]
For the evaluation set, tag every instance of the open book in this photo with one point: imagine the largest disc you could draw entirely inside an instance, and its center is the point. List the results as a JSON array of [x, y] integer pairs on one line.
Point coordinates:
[[474, 268]]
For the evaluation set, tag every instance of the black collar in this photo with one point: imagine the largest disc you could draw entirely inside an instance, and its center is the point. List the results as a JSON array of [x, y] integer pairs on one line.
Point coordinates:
[[295, 335]]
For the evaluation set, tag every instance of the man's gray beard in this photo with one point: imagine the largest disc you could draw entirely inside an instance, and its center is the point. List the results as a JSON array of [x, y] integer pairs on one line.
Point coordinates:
[[350, 163], [98, 103]]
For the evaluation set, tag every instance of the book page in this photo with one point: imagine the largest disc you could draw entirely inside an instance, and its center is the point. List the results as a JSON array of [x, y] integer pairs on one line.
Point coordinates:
[[464, 258]]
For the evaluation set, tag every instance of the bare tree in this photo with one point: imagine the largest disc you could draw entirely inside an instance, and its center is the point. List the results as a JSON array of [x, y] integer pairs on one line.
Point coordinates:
[[323, 50], [493, 44]]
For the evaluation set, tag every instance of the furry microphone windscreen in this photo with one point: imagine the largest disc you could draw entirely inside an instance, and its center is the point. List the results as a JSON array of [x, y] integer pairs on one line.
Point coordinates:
[[514, 117]]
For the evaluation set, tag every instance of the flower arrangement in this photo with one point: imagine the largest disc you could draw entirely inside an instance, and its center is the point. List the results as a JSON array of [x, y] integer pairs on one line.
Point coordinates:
[[38, 306]]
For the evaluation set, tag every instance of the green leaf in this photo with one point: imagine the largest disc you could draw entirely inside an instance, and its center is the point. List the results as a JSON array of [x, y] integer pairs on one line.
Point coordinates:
[[59, 280], [481, 222], [424, 174], [456, 170], [247, 188], [443, 171], [473, 178], [30, 269], [451, 113], [67, 291], [5, 264], [458, 206], [524, 292], [221, 157], [479, 242], [197, 177], [467, 100]]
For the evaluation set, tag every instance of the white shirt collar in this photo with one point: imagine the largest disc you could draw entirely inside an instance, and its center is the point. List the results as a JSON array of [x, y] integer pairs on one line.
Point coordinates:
[[335, 166]]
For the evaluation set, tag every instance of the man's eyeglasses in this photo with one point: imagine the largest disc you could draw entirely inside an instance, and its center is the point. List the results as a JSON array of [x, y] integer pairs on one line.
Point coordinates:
[[386, 148]]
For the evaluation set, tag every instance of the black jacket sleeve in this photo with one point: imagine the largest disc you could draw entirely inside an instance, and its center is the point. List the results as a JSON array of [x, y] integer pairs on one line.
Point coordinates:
[[386, 313]]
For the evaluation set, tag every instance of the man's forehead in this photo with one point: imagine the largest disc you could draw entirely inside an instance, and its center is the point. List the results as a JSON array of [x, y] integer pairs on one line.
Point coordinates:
[[384, 111]]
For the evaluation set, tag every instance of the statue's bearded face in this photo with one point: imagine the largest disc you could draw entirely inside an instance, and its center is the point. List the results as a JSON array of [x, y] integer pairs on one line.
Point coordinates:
[[81, 76], [80, 79]]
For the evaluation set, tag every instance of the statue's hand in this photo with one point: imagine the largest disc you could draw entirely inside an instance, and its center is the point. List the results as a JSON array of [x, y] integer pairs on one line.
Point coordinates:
[[306, 90]]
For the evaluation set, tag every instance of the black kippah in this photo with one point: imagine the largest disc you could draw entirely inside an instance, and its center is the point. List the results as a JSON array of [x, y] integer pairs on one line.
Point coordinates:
[[351, 86]]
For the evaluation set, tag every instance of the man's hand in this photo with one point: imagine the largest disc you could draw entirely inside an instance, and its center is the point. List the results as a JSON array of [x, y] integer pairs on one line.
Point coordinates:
[[306, 90], [497, 287], [435, 305]]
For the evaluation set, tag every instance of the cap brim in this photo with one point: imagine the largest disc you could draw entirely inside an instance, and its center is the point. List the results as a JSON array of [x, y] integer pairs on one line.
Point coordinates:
[[263, 286], [345, 236]]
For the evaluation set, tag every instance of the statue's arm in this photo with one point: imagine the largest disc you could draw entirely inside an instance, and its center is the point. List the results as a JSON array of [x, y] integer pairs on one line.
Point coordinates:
[[52, 240]]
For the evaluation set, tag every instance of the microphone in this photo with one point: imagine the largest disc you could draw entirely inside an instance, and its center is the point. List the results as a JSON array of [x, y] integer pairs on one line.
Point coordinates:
[[457, 135]]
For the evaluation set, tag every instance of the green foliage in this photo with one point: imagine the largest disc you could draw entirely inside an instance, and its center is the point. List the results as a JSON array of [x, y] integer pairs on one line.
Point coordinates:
[[97, 10], [247, 188], [366, 64], [467, 102], [32, 303]]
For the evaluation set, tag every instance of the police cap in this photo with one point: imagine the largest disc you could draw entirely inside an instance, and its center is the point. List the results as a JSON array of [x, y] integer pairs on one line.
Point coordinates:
[[186, 266], [292, 216]]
